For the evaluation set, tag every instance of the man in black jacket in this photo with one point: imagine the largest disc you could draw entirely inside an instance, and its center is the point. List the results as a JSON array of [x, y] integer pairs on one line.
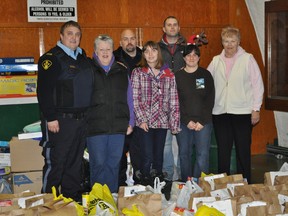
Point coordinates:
[[130, 55]]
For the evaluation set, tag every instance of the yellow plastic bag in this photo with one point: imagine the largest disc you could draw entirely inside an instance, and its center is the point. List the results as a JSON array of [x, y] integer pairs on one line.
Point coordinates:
[[59, 206], [132, 212], [101, 201], [205, 210], [79, 208]]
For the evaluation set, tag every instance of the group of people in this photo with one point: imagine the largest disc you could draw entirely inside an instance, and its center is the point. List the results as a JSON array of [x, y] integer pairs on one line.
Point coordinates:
[[141, 102]]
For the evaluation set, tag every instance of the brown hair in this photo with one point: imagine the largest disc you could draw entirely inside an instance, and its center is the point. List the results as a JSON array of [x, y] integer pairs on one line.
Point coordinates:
[[170, 17], [70, 23], [153, 45]]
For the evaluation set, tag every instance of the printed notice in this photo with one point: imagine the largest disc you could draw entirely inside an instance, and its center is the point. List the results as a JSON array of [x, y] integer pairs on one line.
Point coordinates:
[[52, 10]]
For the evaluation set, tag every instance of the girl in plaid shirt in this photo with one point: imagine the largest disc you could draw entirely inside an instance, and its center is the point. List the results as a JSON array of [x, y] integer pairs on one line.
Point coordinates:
[[156, 109]]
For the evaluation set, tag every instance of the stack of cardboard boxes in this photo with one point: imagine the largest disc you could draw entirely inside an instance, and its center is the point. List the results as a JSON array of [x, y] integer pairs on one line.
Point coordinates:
[[26, 165]]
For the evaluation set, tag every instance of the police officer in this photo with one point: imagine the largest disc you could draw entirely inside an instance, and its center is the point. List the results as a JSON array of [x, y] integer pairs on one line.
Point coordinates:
[[64, 92]]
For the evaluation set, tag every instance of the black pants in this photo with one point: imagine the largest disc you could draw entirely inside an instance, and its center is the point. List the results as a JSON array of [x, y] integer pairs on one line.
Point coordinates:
[[131, 145], [233, 129], [63, 154]]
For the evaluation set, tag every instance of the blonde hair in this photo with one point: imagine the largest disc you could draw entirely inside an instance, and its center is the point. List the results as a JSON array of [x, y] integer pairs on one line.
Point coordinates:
[[230, 31]]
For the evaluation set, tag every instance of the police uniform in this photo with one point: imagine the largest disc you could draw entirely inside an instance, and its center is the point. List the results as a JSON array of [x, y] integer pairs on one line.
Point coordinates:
[[64, 92]]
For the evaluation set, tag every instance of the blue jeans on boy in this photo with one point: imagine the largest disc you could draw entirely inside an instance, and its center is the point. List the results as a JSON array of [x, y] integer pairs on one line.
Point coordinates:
[[188, 140], [152, 147], [105, 152], [168, 158]]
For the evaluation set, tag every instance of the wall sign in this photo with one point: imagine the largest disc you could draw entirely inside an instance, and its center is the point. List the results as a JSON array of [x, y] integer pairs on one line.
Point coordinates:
[[51, 10]]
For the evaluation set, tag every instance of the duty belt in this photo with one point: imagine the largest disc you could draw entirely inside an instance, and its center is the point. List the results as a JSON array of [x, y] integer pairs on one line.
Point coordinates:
[[80, 115]]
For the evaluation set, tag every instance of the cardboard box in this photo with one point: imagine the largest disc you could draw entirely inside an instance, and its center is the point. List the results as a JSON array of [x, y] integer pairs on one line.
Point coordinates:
[[27, 181], [11, 201], [26, 155]]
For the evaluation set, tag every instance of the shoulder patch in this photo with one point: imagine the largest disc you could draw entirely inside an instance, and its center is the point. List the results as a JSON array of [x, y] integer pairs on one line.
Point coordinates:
[[46, 64]]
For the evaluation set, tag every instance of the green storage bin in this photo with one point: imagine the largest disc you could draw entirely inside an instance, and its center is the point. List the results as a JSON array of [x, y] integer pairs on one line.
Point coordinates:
[[14, 118]]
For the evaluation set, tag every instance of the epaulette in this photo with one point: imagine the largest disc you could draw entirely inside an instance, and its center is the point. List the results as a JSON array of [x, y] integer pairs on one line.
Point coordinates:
[[121, 64], [49, 53]]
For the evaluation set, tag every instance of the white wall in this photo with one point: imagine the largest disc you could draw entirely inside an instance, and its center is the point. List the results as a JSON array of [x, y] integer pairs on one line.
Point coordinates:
[[256, 9]]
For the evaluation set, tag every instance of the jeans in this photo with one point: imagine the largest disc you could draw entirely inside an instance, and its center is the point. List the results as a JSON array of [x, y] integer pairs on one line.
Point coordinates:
[[168, 158], [152, 147], [187, 141], [105, 152]]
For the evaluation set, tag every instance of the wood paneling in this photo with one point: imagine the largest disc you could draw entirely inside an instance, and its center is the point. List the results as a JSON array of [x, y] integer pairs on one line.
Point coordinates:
[[20, 38]]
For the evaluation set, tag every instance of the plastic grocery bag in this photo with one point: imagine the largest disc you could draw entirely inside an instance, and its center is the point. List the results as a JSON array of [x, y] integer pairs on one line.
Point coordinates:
[[132, 212], [60, 200], [101, 201], [205, 210]]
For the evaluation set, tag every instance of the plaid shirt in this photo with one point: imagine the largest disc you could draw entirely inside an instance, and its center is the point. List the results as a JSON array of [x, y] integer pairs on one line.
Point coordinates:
[[155, 98]]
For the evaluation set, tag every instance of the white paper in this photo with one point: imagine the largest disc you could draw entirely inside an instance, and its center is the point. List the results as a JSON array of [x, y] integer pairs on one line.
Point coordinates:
[[284, 167], [244, 206], [282, 200], [224, 206], [223, 194], [274, 174], [231, 187], [133, 190], [197, 200], [21, 201], [210, 179]]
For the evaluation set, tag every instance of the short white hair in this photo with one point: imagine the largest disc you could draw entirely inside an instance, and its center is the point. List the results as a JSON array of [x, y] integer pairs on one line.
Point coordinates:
[[105, 38]]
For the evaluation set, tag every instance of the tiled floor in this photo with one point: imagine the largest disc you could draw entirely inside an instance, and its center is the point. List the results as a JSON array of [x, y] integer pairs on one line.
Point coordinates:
[[259, 164], [265, 163]]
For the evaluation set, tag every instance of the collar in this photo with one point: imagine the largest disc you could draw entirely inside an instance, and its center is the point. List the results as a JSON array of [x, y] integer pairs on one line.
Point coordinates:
[[73, 54], [180, 40], [164, 71], [106, 68]]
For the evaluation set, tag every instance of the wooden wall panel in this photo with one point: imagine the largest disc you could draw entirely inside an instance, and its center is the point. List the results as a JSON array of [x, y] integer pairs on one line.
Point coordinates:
[[20, 38], [152, 13], [17, 41]]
